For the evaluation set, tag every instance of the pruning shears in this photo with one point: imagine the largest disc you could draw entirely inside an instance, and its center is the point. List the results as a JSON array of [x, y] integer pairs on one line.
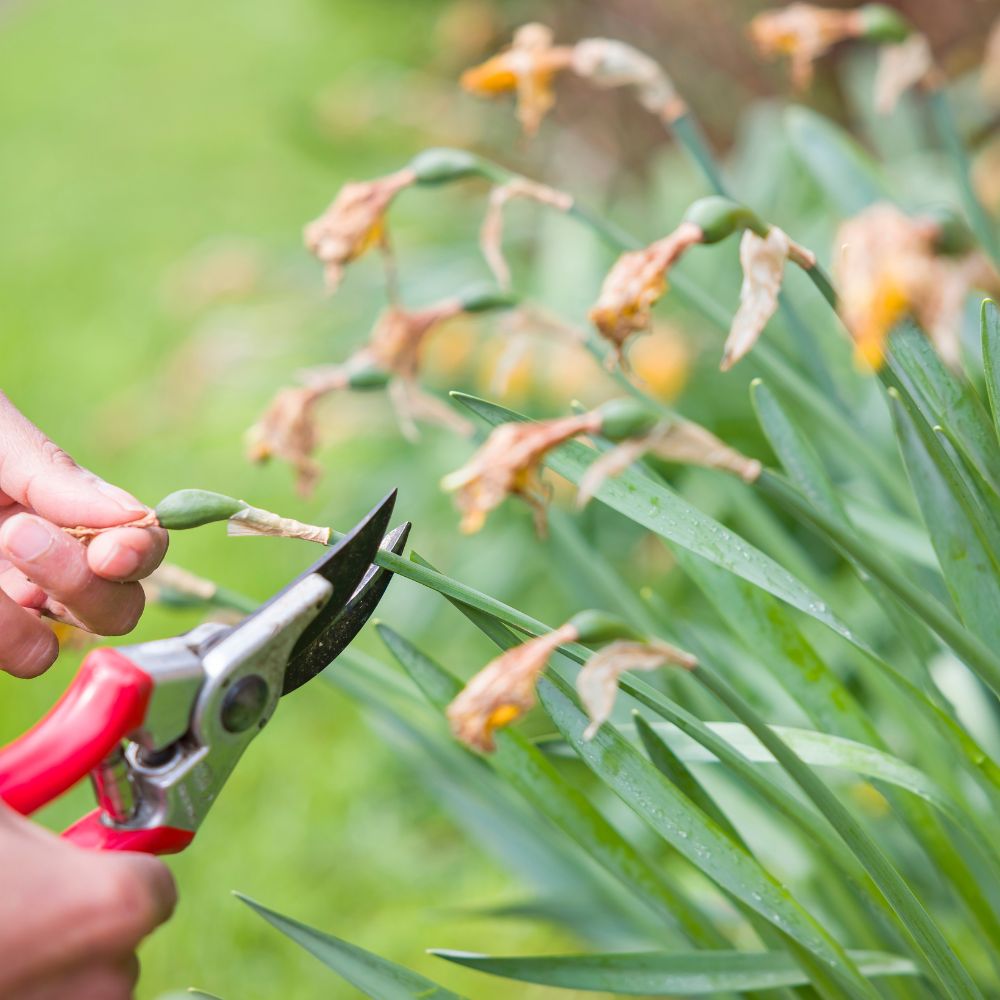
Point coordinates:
[[159, 726]]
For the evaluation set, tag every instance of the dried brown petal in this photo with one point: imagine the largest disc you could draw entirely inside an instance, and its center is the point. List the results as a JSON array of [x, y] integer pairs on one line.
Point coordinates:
[[803, 32], [354, 222], [256, 521], [503, 690], [900, 67], [597, 682], [635, 283], [507, 464], [287, 431]]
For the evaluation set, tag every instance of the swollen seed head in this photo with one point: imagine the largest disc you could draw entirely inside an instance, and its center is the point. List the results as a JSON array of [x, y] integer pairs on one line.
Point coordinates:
[[484, 297], [442, 165], [626, 418], [719, 217], [192, 508], [952, 236], [598, 626], [880, 23], [367, 379]]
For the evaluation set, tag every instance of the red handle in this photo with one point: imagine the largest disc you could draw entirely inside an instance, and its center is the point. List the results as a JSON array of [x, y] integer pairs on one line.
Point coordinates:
[[106, 701], [92, 832]]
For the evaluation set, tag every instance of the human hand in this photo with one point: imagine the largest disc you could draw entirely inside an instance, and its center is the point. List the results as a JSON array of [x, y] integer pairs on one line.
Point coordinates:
[[71, 918], [43, 570]]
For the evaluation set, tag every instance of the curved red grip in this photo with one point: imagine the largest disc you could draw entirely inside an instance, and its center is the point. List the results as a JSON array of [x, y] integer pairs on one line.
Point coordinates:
[[93, 833], [106, 701]]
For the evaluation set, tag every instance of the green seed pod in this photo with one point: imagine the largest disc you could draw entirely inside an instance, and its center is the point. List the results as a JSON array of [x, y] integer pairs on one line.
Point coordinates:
[[593, 627], [883, 24], [484, 297], [953, 238], [368, 379], [719, 217], [192, 508], [626, 418], [442, 165]]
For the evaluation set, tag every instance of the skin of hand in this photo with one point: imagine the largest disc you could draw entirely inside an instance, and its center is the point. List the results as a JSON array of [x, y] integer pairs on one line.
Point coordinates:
[[70, 918], [45, 570]]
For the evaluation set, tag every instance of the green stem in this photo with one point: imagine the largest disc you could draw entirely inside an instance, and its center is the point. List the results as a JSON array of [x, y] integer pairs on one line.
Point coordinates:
[[944, 123], [688, 133]]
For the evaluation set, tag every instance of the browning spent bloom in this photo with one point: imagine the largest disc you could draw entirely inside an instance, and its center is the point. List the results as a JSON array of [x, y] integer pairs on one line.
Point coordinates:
[[762, 259], [635, 283], [803, 32], [287, 431], [672, 441], [491, 233], [888, 267], [507, 464], [503, 690], [528, 67], [354, 222], [597, 682], [900, 67]]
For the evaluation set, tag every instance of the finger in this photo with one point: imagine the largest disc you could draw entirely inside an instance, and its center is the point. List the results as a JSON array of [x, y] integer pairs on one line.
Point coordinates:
[[28, 646], [37, 474], [57, 563], [95, 981], [127, 553], [21, 590]]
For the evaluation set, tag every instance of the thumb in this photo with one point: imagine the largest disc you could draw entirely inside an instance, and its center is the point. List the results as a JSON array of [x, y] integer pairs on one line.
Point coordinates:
[[42, 477]]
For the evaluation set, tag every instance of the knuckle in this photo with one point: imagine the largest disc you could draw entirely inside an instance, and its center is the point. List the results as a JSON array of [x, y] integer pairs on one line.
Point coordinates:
[[131, 601], [124, 907], [52, 454]]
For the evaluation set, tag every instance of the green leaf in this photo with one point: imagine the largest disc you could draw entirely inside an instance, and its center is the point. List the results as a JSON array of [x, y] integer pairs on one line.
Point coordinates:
[[374, 976], [658, 973], [990, 325], [842, 169], [527, 771], [693, 834], [656, 507]]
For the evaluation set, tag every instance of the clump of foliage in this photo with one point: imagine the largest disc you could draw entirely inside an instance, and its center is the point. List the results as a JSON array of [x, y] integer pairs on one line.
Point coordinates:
[[811, 752]]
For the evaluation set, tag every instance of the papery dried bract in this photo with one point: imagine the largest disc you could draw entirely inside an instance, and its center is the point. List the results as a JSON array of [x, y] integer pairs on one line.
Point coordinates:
[[900, 67], [608, 63], [503, 690], [287, 431], [354, 222], [507, 464], [527, 69], [597, 682], [802, 32], [635, 283]]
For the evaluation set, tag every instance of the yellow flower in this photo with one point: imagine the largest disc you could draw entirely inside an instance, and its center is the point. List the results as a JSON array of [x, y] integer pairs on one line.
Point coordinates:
[[503, 690], [354, 222], [803, 32], [527, 69], [635, 283], [508, 463]]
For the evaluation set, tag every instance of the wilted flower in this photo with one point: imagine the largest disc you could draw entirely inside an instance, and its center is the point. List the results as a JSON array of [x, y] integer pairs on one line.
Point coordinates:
[[900, 67], [597, 682], [507, 464], [503, 690], [803, 32], [989, 74], [609, 63], [354, 222], [635, 283], [673, 441], [763, 261], [888, 267], [491, 233], [287, 431], [527, 69]]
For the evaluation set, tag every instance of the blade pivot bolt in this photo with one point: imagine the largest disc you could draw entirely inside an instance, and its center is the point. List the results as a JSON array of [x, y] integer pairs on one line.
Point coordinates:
[[244, 703]]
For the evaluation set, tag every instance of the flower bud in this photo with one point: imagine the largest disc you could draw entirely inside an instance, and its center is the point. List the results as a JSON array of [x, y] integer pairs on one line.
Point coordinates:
[[192, 508], [484, 297], [880, 23], [593, 627], [719, 217], [626, 418], [443, 165]]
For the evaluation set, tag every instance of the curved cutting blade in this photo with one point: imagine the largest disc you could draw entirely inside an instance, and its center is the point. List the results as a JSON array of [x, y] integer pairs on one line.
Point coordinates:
[[307, 662]]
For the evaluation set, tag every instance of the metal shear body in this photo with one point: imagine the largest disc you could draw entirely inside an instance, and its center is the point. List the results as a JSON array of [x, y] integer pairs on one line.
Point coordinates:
[[159, 726]]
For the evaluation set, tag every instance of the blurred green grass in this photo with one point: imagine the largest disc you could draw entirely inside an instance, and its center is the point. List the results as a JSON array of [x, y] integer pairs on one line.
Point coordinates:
[[131, 139]]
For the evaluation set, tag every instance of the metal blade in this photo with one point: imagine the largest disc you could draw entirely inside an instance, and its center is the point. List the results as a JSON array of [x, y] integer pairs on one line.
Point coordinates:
[[307, 662]]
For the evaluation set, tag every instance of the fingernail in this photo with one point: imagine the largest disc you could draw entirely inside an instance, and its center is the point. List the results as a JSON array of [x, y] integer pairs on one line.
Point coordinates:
[[28, 539], [121, 560], [123, 499]]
